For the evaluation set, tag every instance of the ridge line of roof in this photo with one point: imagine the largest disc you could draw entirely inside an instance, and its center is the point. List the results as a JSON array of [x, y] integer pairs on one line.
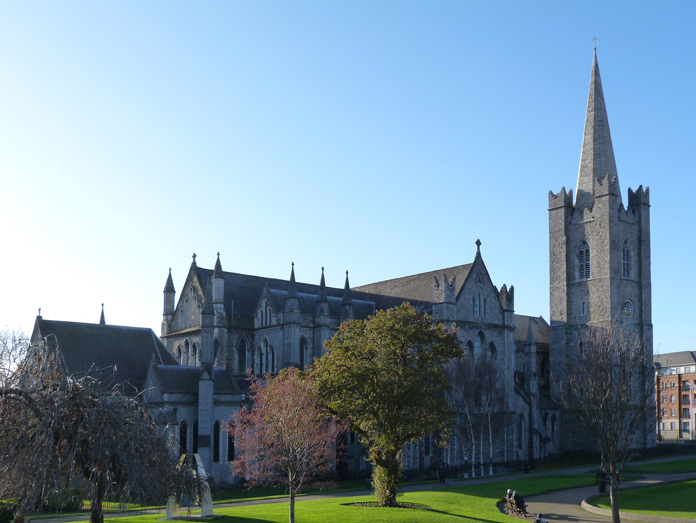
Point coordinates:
[[436, 271]]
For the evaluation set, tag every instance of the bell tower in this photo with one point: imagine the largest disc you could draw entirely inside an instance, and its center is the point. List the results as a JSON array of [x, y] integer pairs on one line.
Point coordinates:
[[599, 251]]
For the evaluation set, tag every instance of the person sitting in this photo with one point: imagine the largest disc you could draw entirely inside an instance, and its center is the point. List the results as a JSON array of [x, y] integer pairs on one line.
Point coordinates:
[[508, 496], [519, 501]]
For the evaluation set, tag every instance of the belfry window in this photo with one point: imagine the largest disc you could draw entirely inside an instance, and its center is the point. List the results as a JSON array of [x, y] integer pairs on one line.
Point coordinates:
[[626, 260], [584, 261]]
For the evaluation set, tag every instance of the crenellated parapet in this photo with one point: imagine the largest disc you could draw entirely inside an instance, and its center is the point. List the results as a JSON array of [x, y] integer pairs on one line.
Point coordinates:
[[507, 297], [639, 197], [444, 290], [607, 186], [560, 199]]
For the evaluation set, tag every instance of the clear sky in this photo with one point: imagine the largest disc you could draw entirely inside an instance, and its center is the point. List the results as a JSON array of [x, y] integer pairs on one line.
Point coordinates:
[[379, 137]]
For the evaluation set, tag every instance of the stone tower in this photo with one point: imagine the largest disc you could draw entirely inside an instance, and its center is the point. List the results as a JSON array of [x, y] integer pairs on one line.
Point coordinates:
[[599, 253]]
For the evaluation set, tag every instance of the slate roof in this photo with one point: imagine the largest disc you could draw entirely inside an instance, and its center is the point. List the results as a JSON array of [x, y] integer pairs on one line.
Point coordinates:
[[115, 355], [175, 379], [675, 359], [540, 329], [246, 290], [417, 286]]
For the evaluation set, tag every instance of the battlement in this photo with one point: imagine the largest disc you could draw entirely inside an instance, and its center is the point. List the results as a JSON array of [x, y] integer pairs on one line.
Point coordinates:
[[607, 186], [507, 298], [444, 291], [640, 197], [561, 199]]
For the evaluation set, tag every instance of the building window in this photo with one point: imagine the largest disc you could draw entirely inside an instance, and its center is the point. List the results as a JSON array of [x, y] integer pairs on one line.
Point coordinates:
[[671, 398], [303, 351], [492, 352], [241, 356], [673, 426], [182, 438], [194, 356], [664, 413], [664, 398], [685, 386], [685, 399], [230, 443], [673, 384], [584, 309], [584, 261], [478, 343], [216, 442], [671, 412], [664, 426], [685, 426], [469, 349], [685, 413], [664, 385], [185, 357], [626, 260]]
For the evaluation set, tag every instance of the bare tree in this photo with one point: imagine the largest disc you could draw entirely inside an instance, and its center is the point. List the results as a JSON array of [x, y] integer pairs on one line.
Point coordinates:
[[13, 348], [285, 437], [610, 390], [477, 398], [57, 432]]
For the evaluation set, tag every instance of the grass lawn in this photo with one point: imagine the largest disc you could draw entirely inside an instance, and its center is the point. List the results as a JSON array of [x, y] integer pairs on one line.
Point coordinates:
[[452, 504], [680, 465], [679, 497]]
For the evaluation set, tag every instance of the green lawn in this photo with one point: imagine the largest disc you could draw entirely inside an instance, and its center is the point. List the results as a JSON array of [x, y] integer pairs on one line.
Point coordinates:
[[680, 465], [453, 504], [679, 497]]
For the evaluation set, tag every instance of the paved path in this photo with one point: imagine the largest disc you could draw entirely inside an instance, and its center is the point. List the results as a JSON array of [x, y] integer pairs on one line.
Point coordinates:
[[560, 505]]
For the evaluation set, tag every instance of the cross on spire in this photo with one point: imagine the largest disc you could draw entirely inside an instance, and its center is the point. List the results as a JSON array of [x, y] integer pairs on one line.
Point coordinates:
[[595, 41], [194, 257]]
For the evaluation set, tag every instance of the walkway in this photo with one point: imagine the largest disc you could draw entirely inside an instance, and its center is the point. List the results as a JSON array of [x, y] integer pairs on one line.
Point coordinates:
[[560, 505]]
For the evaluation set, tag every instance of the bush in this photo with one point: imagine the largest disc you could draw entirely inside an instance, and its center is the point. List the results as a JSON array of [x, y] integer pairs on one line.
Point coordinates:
[[7, 512]]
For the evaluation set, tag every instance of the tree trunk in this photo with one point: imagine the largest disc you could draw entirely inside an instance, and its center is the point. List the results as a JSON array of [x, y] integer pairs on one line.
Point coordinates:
[[614, 496], [96, 514], [490, 445], [385, 477], [292, 504]]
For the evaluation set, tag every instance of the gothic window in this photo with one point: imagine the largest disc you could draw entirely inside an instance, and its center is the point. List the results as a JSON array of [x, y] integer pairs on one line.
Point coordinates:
[[492, 351], [584, 261], [241, 356], [216, 442], [179, 354], [303, 353], [272, 355], [626, 260], [584, 309], [186, 353], [484, 306], [195, 437], [469, 349], [230, 443], [194, 355], [478, 343], [182, 438]]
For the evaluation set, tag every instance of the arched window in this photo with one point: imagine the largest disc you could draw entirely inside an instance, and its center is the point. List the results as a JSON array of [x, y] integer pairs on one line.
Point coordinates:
[[469, 352], [194, 355], [478, 344], [179, 354], [584, 261], [195, 437], [185, 361], [230, 443], [264, 357], [303, 353], [626, 260], [492, 351], [241, 356], [216, 442], [272, 351], [182, 438]]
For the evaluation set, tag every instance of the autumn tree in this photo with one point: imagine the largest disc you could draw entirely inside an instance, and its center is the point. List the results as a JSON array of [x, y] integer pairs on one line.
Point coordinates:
[[477, 398], [285, 437], [386, 377], [57, 431], [609, 389]]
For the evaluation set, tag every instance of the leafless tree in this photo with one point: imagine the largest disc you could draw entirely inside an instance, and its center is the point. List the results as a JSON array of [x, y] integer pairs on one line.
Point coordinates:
[[609, 389], [58, 432], [13, 348], [477, 398]]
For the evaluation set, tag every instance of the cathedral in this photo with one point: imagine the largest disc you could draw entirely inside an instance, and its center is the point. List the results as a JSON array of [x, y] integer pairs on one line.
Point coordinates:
[[224, 323]]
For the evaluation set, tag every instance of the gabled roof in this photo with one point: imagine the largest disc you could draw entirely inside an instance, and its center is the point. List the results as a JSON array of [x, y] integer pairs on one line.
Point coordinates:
[[417, 286], [540, 329], [175, 379], [675, 359], [115, 355]]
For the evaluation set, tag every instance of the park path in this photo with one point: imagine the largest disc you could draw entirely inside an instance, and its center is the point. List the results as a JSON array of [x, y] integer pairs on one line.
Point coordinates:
[[560, 505]]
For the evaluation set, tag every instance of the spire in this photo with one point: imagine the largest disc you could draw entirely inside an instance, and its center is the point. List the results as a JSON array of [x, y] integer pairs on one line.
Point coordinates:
[[346, 293], [322, 288], [292, 287], [169, 286], [597, 156], [217, 273], [101, 320]]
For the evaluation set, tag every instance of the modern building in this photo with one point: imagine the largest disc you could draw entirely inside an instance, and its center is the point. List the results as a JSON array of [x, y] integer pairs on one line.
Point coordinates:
[[675, 393]]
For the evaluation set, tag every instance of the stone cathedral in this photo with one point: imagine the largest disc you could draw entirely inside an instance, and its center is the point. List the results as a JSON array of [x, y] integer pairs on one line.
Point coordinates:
[[224, 323]]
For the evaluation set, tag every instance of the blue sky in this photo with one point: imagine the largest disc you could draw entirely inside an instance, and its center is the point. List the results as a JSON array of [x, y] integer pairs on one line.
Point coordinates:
[[379, 137]]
